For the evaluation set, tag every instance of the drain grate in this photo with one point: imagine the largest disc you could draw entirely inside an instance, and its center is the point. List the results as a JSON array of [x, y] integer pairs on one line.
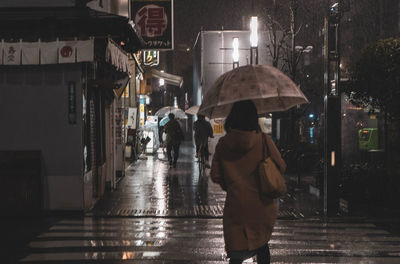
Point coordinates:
[[289, 214], [207, 211]]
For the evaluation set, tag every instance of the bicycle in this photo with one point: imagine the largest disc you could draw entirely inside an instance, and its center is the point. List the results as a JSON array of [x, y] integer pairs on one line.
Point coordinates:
[[202, 160]]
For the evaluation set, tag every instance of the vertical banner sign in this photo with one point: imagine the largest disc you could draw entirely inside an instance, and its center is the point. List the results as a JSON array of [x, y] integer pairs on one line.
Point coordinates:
[[141, 110], [71, 103], [132, 115], [154, 21]]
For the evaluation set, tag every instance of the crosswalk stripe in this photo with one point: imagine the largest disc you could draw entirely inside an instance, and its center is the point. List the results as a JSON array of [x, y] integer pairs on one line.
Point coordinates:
[[169, 240]]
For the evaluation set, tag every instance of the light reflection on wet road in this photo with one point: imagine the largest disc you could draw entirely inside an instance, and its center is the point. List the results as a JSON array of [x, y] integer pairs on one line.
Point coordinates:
[[172, 216], [151, 188]]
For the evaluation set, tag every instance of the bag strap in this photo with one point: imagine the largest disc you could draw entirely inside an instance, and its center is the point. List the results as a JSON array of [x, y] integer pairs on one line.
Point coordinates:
[[266, 153]]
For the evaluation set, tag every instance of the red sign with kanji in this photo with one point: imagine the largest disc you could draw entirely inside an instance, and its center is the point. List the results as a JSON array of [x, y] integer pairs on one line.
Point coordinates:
[[66, 51], [154, 22]]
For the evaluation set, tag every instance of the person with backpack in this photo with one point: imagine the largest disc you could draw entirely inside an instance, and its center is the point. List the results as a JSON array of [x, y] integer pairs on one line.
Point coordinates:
[[174, 138]]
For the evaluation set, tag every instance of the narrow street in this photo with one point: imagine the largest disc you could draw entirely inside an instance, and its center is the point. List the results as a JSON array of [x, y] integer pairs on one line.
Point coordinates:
[[89, 88], [170, 215]]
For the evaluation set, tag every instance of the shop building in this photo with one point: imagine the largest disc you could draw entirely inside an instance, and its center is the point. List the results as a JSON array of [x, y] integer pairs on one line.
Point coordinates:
[[64, 67]]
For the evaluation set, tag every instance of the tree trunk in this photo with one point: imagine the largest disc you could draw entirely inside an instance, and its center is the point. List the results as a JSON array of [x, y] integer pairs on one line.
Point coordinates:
[[293, 14]]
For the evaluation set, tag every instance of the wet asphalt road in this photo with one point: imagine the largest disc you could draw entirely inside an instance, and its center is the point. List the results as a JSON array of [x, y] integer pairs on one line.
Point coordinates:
[[171, 215]]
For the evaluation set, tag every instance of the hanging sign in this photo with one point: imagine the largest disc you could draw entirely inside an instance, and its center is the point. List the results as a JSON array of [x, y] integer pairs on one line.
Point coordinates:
[[132, 115], [12, 53], [71, 103], [154, 21], [40, 53], [150, 57], [218, 126]]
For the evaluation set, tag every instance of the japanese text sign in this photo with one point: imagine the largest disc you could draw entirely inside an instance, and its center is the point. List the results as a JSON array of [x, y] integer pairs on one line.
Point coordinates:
[[151, 57], [154, 22]]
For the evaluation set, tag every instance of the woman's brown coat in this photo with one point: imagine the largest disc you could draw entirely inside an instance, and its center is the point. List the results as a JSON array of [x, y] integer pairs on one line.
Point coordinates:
[[248, 220]]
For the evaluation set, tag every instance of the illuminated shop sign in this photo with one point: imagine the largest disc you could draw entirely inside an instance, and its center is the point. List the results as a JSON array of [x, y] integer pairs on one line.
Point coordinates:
[[151, 57], [154, 22]]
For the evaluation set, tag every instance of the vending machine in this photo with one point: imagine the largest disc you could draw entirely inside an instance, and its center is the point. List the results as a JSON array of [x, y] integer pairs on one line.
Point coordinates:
[[368, 138]]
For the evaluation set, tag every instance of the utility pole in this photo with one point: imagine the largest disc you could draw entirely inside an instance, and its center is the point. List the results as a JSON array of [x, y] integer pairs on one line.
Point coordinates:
[[332, 109]]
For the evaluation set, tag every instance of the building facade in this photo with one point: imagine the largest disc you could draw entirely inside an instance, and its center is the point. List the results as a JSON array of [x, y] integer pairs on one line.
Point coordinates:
[[63, 71]]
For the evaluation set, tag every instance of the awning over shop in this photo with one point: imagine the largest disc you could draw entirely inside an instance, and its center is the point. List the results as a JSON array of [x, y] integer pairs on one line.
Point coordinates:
[[40, 53], [168, 78], [117, 57], [47, 24], [58, 52]]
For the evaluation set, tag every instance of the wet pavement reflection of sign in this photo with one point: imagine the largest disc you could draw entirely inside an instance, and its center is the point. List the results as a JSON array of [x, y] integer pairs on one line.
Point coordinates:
[[150, 188]]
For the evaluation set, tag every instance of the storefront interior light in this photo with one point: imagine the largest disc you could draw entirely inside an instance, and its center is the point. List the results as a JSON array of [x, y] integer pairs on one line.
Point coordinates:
[[235, 54], [254, 31]]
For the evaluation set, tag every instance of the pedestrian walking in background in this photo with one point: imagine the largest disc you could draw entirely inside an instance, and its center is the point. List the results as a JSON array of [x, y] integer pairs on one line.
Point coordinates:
[[202, 131], [248, 218], [174, 138]]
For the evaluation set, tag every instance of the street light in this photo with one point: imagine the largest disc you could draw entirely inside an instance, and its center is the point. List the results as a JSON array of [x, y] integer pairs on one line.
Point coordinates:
[[235, 53], [162, 81], [254, 39]]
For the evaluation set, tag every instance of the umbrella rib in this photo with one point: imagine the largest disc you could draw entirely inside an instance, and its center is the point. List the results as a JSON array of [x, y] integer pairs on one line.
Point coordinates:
[[279, 97], [212, 110], [257, 82]]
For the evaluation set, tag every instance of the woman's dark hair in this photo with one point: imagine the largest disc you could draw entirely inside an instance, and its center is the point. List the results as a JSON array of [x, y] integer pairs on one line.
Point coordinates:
[[243, 116]]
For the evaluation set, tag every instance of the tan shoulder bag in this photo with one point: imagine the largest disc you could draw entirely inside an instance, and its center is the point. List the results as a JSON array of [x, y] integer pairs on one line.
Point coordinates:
[[272, 183]]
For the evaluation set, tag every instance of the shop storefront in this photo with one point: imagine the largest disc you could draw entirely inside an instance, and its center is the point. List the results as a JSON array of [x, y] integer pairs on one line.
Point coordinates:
[[58, 96]]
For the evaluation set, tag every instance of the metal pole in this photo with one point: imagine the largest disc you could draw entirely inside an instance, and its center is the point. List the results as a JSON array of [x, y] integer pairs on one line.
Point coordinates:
[[256, 55], [332, 110]]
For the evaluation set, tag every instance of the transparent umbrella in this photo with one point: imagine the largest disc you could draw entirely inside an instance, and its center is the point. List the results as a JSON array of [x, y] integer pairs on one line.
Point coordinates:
[[192, 110], [164, 121], [269, 88], [166, 110]]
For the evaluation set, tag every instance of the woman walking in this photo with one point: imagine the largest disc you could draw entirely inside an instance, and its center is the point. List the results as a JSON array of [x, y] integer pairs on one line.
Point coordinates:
[[248, 218]]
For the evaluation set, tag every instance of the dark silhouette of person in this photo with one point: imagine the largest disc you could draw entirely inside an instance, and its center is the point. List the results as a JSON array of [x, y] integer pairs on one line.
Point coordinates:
[[174, 138], [202, 131]]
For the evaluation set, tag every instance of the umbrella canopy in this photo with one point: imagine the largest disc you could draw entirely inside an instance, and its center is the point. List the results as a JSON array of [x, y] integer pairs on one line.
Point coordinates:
[[269, 88], [192, 110], [166, 110], [164, 121]]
